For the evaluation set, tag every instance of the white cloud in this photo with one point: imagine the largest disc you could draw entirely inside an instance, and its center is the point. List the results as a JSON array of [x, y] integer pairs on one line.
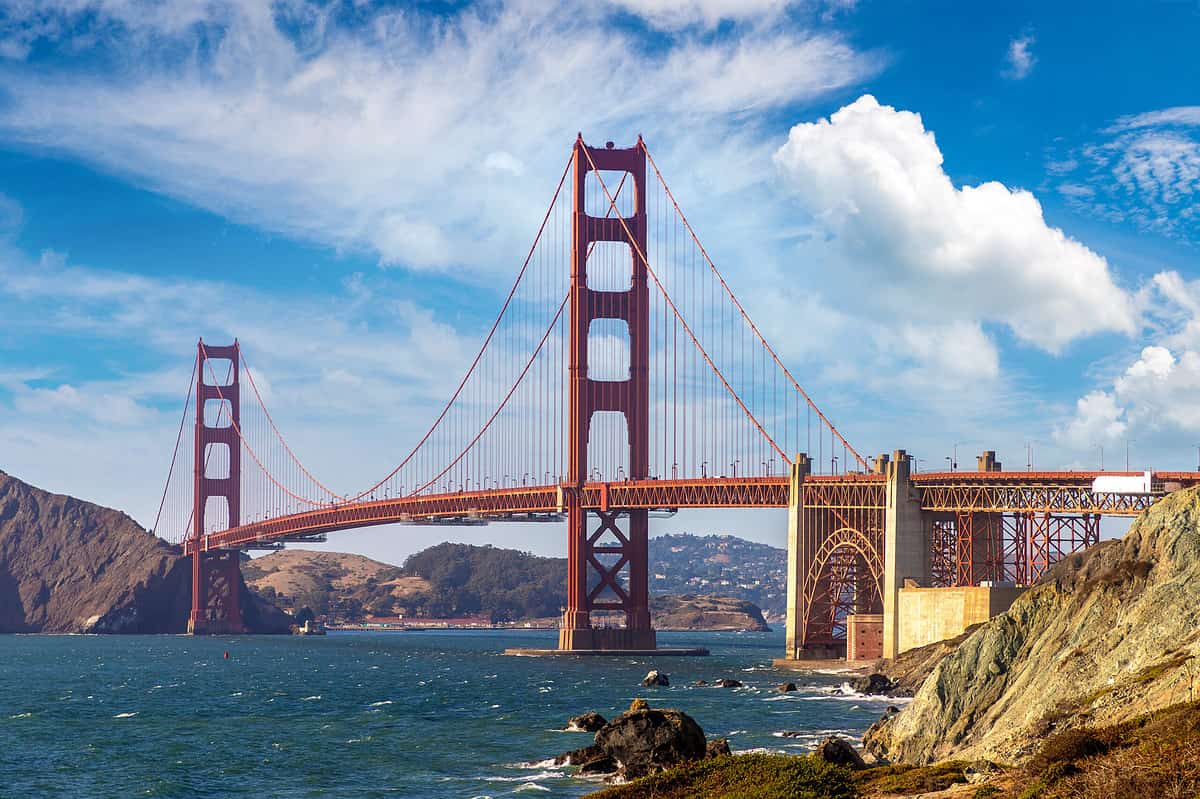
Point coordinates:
[[1146, 170], [402, 134], [1156, 398], [873, 179], [1020, 57], [1097, 421], [674, 14], [1179, 115]]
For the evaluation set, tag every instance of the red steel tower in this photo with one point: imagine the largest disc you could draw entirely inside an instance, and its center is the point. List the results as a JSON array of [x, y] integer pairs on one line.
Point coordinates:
[[597, 553], [216, 575]]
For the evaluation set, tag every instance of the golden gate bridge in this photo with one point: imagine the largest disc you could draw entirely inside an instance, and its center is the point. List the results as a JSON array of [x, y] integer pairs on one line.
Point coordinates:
[[620, 377]]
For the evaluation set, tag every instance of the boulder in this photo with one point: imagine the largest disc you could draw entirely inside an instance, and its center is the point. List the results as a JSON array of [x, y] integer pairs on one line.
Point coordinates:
[[727, 683], [656, 677], [647, 740], [873, 684], [577, 757], [586, 722], [786, 688], [601, 764], [639, 704], [717, 747], [792, 734], [700, 683], [839, 752]]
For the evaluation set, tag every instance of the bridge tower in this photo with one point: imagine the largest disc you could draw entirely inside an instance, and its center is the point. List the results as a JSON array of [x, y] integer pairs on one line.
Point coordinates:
[[216, 575], [600, 545]]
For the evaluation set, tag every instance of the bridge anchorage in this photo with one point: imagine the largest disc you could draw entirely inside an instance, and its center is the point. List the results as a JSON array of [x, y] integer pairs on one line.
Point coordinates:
[[622, 377]]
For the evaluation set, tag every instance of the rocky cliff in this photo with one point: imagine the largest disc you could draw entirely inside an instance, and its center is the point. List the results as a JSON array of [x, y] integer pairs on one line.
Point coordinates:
[[1107, 635], [68, 566]]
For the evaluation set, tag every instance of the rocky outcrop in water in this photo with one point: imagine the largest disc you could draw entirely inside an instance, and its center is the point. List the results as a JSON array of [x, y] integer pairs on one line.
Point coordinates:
[[655, 677], [586, 722], [644, 740], [69, 566], [1108, 635]]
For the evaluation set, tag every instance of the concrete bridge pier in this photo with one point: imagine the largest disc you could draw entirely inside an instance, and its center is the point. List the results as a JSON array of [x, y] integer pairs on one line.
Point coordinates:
[[906, 556], [906, 545], [797, 559]]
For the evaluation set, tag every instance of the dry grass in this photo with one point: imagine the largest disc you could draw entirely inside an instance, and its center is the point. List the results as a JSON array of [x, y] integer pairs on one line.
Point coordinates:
[[1156, 756]]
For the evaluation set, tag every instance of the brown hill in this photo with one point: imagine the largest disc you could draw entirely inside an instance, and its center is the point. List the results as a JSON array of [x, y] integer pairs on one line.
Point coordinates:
[[337, 583], [69, 566], [706, 613]]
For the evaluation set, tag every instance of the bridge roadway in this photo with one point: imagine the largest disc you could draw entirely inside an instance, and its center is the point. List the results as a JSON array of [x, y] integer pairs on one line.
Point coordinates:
[[996, 492]]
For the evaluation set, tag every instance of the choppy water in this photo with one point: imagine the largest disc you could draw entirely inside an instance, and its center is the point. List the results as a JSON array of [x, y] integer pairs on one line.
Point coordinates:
[[415, 714]]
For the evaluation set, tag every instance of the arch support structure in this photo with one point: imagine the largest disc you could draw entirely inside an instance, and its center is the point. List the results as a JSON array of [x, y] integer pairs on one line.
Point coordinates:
[[835, 557], [216, 575], [603, 546]]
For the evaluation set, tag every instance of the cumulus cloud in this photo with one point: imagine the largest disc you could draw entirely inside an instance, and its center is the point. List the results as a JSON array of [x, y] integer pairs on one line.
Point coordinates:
[[1020, 58], [1156, 397], [873, 179]]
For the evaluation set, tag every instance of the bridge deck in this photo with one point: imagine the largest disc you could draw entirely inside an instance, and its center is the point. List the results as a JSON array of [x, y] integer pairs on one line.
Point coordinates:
[[981, 492]]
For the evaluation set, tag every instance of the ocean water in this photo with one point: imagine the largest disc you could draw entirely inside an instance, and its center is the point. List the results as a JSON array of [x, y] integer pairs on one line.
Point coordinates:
[[410, 714]]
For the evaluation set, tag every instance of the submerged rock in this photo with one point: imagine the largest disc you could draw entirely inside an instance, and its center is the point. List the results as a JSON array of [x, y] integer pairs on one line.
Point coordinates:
[[786, 688], [656, 677], [586, 722], [727, 683]]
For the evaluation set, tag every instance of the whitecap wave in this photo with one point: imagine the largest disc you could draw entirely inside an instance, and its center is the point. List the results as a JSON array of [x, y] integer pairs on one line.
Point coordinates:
[[548, 763], [380, 703], [544, 774], [125, 715], [311, 698], [530, 786], [25, 715]]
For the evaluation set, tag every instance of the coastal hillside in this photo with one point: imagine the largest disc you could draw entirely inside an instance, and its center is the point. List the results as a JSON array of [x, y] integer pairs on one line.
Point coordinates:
[[456, 580], [337, 584], [706, 613], [69, 566], [1108, 635], [720, 565]]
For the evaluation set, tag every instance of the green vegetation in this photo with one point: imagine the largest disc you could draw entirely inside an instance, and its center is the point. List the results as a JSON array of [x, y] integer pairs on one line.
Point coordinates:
[[502, 583], [904, 780], [754, 776]]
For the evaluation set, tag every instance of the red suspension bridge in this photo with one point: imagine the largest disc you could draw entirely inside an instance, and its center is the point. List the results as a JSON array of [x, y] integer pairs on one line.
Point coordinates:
[[621, 376]]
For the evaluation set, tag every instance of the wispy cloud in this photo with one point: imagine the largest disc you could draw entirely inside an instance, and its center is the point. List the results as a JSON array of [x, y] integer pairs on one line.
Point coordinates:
[[1019, 59], [392, 132], [1143, 169]]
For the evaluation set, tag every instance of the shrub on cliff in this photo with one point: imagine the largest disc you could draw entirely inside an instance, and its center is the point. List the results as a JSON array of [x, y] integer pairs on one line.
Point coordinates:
[[753, 776]]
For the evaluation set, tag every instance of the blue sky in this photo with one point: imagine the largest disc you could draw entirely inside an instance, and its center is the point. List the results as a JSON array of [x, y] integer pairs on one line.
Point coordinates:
[[1018, 183]]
